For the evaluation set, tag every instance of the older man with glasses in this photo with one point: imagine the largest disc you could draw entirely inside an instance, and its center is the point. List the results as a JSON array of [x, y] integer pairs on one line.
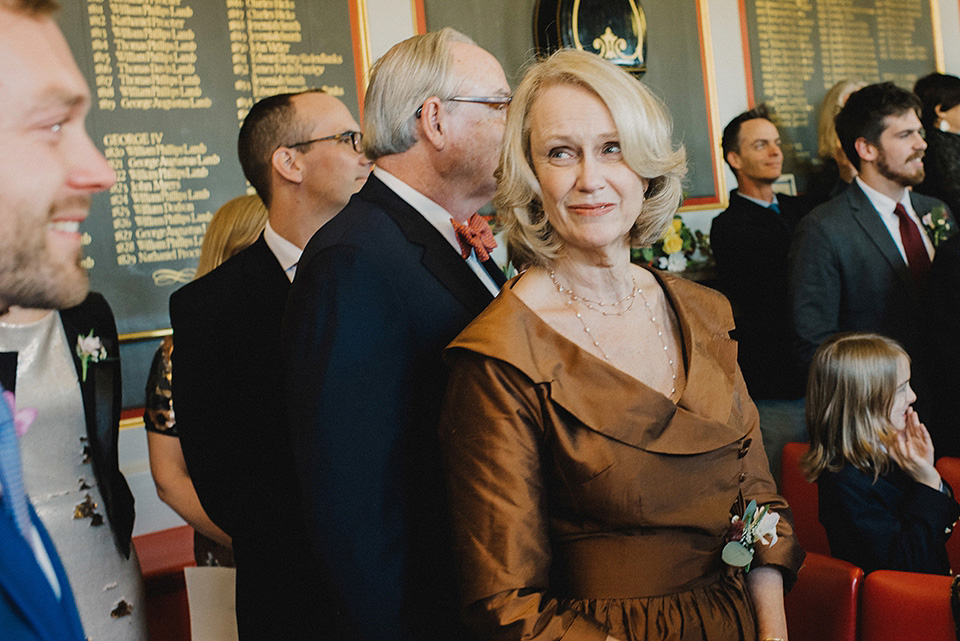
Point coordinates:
[[301, 152], [379, 292]]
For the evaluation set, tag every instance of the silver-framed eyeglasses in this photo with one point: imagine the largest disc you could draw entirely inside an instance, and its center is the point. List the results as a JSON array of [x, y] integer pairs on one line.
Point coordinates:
[[498, 103], [355, 137]]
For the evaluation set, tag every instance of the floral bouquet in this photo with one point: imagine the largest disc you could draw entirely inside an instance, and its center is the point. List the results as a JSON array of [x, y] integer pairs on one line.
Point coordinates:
[[939, 225], [679, 250], [756, 526]]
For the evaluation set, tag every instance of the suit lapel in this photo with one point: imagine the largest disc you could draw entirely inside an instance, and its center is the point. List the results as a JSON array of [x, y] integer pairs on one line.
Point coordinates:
[[869, 220], [439, 258]]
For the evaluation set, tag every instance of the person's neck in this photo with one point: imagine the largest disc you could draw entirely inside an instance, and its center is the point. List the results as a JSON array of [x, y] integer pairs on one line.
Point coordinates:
[[22, 315], [297, 221], [422, 176], [874, 179], [753, 189], [600, 275]]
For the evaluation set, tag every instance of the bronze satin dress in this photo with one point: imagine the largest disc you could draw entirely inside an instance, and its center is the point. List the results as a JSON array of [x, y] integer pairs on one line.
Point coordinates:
[[585, 503]]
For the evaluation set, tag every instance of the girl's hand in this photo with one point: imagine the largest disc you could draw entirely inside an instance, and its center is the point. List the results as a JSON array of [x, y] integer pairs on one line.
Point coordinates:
[[913, 452]]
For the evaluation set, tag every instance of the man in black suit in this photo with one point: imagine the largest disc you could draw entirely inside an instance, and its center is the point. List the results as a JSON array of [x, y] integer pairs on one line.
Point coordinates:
[[861, 261], [379, 293], [750, 241], [301, 154]]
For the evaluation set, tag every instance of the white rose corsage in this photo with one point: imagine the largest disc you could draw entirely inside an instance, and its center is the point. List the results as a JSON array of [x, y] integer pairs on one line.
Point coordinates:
[[756, 525], [90, 349]]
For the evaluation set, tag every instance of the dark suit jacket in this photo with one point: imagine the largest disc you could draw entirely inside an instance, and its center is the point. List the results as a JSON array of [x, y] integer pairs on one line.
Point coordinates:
[[942, 316], [101, 394], [29, 609], [379, 293], [894, 523], [750, 244], [227, 393], [846, 274]]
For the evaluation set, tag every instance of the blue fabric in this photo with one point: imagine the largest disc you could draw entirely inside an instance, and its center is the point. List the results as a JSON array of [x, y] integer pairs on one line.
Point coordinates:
[[11, 471], [29, 609]]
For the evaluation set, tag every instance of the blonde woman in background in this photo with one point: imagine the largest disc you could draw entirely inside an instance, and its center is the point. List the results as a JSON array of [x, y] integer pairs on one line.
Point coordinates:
[[834, 170], [235, 226]]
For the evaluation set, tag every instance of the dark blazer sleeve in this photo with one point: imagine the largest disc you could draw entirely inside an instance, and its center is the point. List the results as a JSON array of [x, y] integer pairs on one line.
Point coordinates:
[[102, 399], [892, 524], [349, 355], [204, 385], [816, 287]]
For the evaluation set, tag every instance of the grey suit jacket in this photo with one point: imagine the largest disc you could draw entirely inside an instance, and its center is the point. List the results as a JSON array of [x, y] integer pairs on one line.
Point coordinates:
[[846, 274]]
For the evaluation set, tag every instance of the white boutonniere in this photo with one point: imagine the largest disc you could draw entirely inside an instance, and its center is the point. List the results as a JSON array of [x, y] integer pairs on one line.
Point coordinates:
[[90, 349], [756, 525], [939, 225]]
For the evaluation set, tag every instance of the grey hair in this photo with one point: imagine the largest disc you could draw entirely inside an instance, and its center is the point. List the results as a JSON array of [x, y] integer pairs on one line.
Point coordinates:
[[400, 81]]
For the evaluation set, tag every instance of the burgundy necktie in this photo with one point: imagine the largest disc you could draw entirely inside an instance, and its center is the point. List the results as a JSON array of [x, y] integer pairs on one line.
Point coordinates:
[[475, 236], [917, 258]]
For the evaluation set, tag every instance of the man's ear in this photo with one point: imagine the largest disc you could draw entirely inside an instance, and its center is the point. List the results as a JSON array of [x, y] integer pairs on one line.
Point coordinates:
[[733, 159], [866, 149], [288, 164], [432, 123]]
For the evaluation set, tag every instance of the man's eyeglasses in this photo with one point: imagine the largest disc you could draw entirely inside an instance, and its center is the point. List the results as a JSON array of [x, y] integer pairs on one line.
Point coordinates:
[[356, 139], [494, 102]]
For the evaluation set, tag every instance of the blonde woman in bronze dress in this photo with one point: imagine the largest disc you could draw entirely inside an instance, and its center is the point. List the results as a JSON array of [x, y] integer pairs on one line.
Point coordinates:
[[598, 435]]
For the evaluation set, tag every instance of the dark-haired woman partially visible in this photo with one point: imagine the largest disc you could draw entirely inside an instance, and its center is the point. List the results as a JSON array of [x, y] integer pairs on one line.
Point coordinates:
[[940, 95]]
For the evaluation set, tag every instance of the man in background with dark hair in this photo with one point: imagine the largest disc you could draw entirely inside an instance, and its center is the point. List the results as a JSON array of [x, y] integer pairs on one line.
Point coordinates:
[[301, 152], [750, 241], [48, 173], [861, 261]]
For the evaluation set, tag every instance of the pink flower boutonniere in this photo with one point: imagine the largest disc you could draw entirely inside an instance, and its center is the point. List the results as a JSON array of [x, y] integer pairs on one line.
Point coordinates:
[[22, 418], [757, 525], [90, 349]]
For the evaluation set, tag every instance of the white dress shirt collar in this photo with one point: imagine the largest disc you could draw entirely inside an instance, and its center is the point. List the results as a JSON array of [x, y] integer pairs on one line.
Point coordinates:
[[438, 217], [885, 206], [286, 253]]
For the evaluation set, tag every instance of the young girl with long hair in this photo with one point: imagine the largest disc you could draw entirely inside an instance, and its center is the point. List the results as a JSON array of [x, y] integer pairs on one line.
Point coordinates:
[[882, 502]]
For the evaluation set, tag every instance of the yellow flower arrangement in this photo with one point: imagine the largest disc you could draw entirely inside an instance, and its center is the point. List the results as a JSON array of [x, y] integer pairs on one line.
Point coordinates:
[[672, 243]]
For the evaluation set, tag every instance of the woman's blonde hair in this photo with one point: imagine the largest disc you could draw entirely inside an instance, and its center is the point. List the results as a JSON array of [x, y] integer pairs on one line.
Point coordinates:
[[645, 132], [850, 394], [233, 228], [827, 141]]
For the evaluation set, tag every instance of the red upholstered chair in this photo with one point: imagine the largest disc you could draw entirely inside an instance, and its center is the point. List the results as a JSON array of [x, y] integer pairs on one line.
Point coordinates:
[[905, 606], [949, 468], [822, 606], [802, 497]]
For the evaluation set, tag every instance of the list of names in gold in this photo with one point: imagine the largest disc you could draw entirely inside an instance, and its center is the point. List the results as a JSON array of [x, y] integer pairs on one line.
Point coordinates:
[[145, 55], [847, 47], [159, 206], [264, 35], [785, 35]]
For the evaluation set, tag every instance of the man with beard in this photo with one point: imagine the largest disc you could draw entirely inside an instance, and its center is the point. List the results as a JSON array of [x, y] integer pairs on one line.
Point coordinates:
[[753, 275], [48, 175], [861, 261]]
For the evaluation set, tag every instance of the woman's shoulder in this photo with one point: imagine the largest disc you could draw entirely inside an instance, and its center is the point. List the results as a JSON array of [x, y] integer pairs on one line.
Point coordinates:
[[696, 302]]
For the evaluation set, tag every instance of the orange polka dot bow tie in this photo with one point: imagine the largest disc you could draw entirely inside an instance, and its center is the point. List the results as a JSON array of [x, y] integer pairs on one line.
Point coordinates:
[[476, 236]]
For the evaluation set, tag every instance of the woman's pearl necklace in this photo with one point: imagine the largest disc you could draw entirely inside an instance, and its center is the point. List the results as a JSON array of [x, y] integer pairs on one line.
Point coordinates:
[[573, 298]]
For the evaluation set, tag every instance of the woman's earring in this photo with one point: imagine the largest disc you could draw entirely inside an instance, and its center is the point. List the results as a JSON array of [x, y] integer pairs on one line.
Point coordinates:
[[944, 126]]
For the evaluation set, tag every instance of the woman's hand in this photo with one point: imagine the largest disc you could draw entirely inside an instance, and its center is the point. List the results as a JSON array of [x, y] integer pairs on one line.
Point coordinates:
[[913, 452]]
